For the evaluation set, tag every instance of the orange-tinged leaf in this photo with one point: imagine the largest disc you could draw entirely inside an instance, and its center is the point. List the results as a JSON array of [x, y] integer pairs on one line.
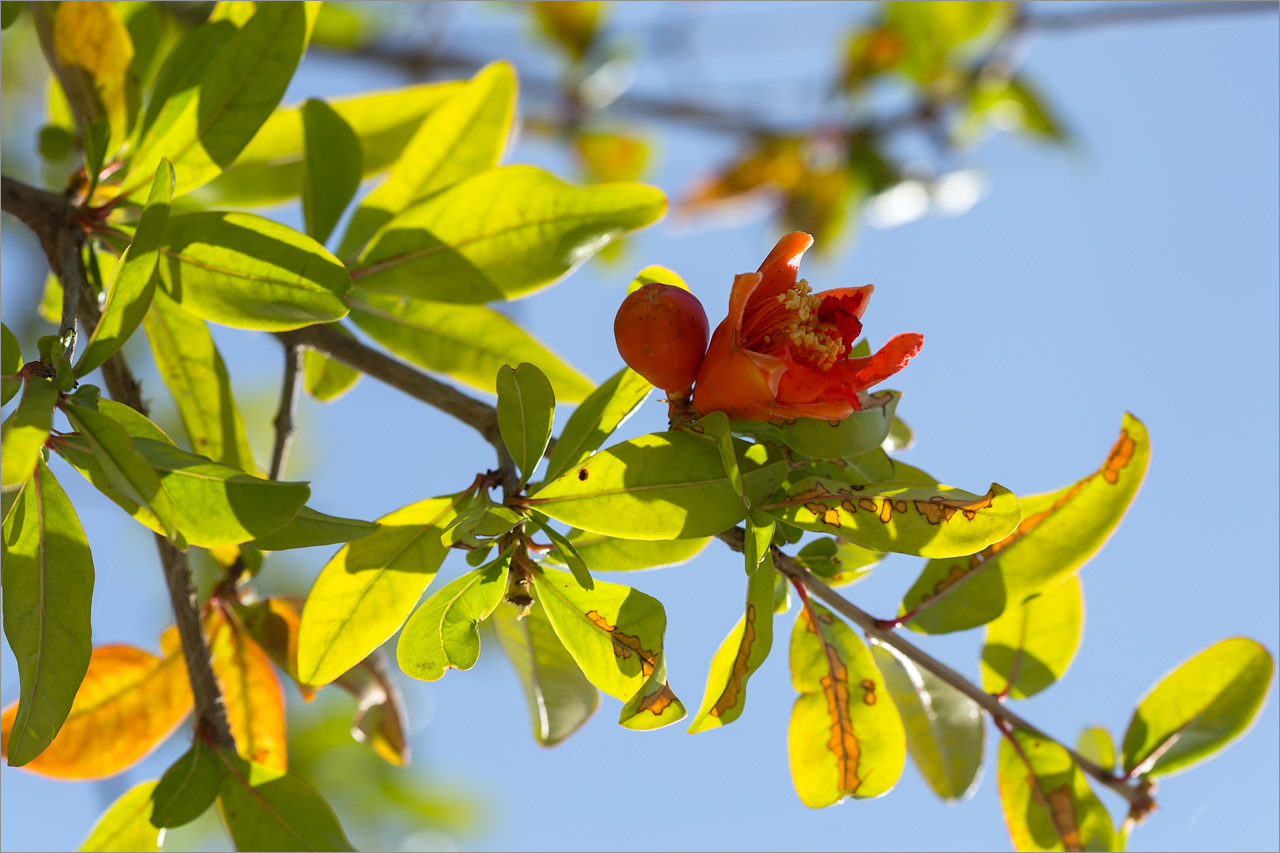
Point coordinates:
[[273, 623], [92, 37], [251, 690], [129, 702]]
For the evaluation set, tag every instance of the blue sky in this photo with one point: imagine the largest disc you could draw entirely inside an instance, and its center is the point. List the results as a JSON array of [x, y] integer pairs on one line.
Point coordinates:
[[1136, 272]]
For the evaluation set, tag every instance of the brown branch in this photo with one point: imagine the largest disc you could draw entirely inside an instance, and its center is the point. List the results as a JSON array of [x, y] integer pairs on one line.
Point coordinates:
[[50, 217], [284, 424], [792, 569], [1141, 13]]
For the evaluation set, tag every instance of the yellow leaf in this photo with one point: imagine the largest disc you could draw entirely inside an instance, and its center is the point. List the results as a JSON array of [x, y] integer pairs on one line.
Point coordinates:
[[91, 36], [251, 690]]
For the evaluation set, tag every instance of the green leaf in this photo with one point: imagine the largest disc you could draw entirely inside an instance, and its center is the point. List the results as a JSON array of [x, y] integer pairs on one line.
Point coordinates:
[[134, 280], [444, 633], [238, 12], [501, 234], [1198, 708], [177, 81], [9, 12], [265, 809], [331, 168], [214, 505], [245, 271], [660, 486], [739, 656], [309, 529], [837, 562], [462, 137], [10, 363], [566, 553], [134, 423], [467, 342], [327, 379], [846, 738], [655, 274], [48, 587], [203, 128], [900, 437], [1048, 804], [715, 427], [1011, 104], [25, 432], [607, 554], [1059, 532], [560, 697], [1030, 646], [483, 519], [94, 141], [874, 466], [526, 409], [615, 634], [1096, 745], [269, 169], [864, 430], [909, 518], [572, 26], [126, 824], [127, 470], [758, 541], [187, 788], [943, 726], [368, 589], [602, 412]]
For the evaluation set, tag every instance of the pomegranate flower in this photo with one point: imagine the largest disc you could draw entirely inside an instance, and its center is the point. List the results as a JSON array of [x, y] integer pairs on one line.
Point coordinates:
[[783, 351]]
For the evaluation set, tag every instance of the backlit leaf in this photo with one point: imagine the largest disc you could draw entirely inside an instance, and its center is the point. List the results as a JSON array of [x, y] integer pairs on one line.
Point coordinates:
[[187, 788], [444, 632], [526, 409], [1058, 533], [379, 722], [715, 428], [607, 554], [48, 587], [1096, 745], [179, 77], [566, 553], [369, 588], [128, 704], [327, 379], [615, 634], [467, 342], [273, 624], [331, 168], [134, 281], [93, 45], [943, 726], [246, 271], [1033, 644], [611, 156], [659, 486], [560, 697], [838, 562], [655, 274], [864, 430], [846, 738], [501, 234], [267, 809], [126, 824], [1048, 804], [758, 541], [572, 25], [595, 419], [309, 529], [251, 691], [909, 518], [1198, 708], [25, 432], [10, 363], [740, 655]]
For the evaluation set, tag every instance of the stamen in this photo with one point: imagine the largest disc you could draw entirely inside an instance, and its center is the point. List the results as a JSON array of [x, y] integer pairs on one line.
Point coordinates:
[[790, 322]]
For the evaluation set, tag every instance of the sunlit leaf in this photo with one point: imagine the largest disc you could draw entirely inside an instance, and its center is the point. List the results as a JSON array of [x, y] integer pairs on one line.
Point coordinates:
[[1048, 804], [615, 634], [251, 691], [1030, 647], [1096, 745], [846, 738], [560, 697], [93, 45], [572, 25], [126, 824], [467, 342], [715, 428], [129, 702], [273, 624], [909, 518], [309, 529], [179, 76], [10, 363], [48, 587], [862, 431], [249, 272], [1198, 708], [187, 788], [659, 486], [379, 721], [758, 541], [566, 553], [444, 632], [740, 655], [462, 137], [134, 281], [607, 554], [655, 274], [369, 588], [327, 379], [267, 809], [943, 726], [611, 156], [331, 168], [501, 234], [25, 432], [595, 419], [1058, 533], [1011, 104], [838, 562]]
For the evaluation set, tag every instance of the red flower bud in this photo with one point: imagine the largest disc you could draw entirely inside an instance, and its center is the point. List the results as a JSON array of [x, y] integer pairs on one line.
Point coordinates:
[[661, 332]]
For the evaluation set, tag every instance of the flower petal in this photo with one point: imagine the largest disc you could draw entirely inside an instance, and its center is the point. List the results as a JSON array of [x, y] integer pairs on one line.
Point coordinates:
[[744, 285], [737, 382], [782, 265], [843, 308], [891, 358]]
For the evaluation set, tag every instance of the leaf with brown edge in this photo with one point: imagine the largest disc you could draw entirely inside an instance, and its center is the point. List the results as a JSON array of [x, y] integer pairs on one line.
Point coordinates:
[[1048, 804], [254, 699], [129, 702], [846, 738]]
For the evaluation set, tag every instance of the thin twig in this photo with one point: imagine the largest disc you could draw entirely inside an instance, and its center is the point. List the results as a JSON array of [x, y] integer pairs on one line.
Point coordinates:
[[1141, 13], [284, 424]]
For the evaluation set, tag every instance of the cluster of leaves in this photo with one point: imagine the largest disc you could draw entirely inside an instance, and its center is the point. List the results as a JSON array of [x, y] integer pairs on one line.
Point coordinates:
[[446, 232]]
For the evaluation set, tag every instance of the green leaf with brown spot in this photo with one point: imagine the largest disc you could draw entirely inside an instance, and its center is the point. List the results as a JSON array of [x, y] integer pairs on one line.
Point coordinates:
[[944, 728], [607, 554], [615, 634], [25, 432], [1048, 804], [1058, 533], [595, 419], [126, 824], [740, 655], [846, 738], [1198, 708], [1030, 647], [909, 518], [444, 633]]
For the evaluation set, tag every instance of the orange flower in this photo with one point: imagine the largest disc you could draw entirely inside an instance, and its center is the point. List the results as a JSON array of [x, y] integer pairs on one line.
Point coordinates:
[[783, 352]]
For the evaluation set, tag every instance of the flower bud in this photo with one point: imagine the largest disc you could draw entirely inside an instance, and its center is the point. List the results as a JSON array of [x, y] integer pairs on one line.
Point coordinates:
[[661, 331]]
